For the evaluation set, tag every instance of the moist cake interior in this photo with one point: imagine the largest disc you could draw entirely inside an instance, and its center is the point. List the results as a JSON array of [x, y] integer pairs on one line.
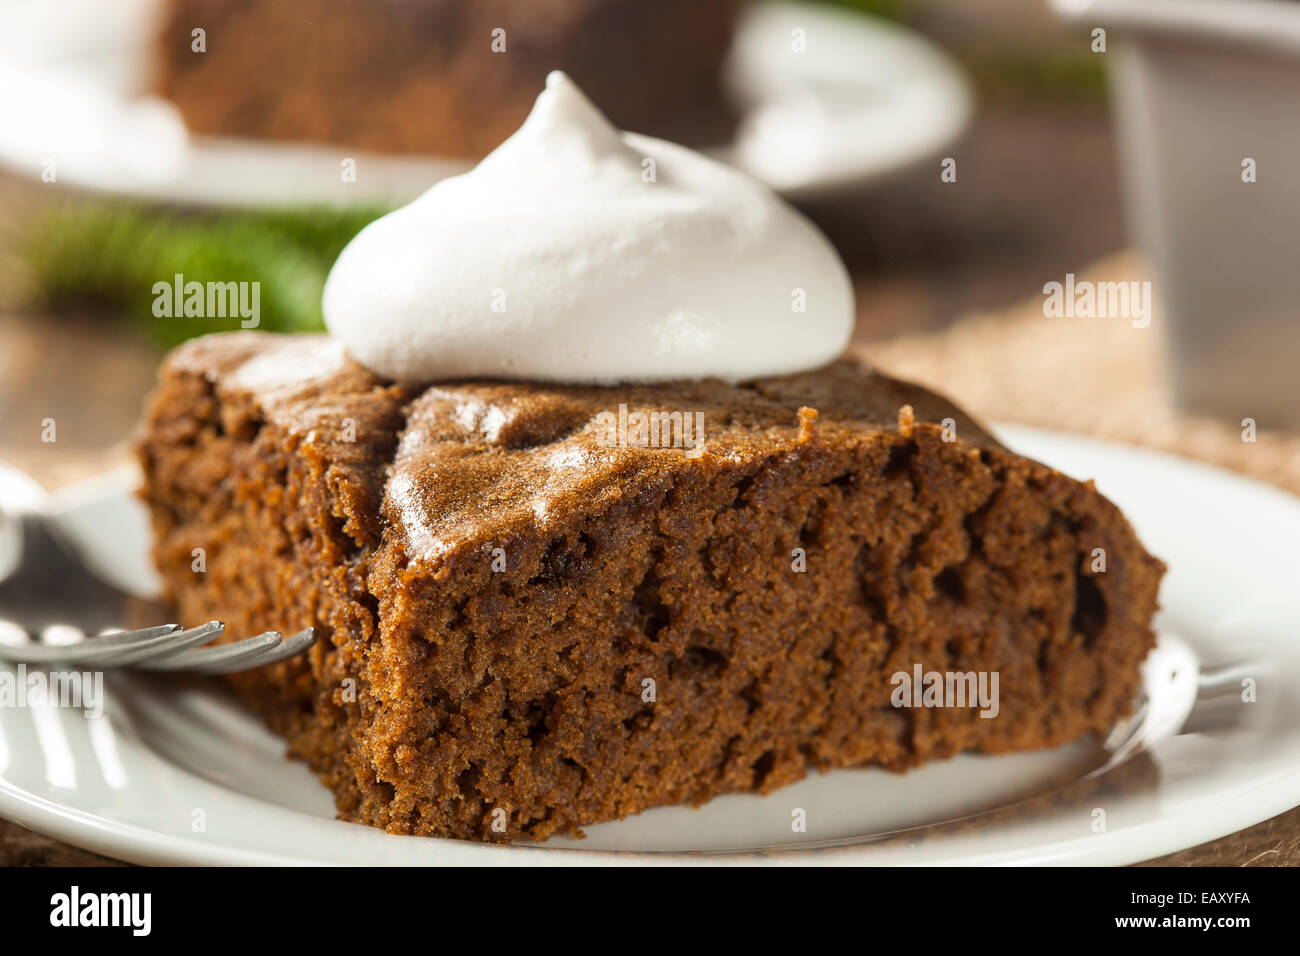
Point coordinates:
[[525, 631]]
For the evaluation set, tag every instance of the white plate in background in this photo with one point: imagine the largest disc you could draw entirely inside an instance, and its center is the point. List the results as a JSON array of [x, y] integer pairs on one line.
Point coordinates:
[[865, 99], [129, 784]]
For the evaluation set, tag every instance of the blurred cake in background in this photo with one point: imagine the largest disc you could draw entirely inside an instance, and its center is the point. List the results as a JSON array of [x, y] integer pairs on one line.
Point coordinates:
[[430, 76]]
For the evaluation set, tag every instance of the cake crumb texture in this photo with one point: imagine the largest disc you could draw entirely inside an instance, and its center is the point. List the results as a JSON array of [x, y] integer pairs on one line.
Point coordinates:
[[516, 616]]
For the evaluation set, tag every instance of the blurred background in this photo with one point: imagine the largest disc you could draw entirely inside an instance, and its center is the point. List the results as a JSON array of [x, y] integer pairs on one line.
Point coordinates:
[[141, 139], [961, 156]]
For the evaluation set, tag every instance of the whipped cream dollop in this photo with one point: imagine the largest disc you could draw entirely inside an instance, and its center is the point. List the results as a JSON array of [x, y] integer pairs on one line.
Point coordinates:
[[578, 253]]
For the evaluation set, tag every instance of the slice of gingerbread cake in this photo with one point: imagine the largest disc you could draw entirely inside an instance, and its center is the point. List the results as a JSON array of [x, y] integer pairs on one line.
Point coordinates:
[[546, 606]]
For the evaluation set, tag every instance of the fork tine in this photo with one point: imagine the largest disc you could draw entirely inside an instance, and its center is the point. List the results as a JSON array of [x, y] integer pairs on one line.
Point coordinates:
[[290, 647], [98, 650], [176, 643], [166, 647], [218, 660]]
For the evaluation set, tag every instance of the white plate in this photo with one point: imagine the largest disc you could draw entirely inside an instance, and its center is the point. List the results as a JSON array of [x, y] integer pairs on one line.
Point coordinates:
[[865, 99], [132, 784]]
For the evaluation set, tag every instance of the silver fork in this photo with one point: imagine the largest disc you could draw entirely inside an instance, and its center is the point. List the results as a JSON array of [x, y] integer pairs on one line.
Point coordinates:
[[51, 603]]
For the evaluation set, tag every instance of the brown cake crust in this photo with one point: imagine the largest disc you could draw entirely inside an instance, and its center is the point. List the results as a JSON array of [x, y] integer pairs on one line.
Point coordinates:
[[494, 585], [421, 76]]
